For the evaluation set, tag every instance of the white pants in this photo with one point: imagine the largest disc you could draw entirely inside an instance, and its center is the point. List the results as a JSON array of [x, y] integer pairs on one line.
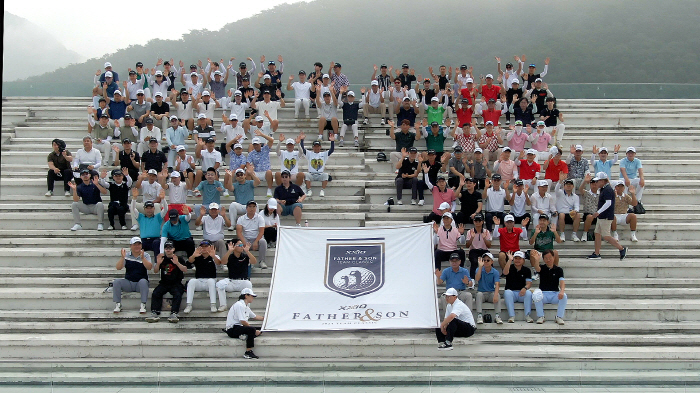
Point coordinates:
[[199, 285], [229, 285], [235, 209], [559, 136], [345, 128], [640, 190], [298, 103]]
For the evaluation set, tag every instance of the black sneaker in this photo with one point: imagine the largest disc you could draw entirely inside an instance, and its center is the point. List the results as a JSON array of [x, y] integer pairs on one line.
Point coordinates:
[[250, 355], [173, 318], [623, 253], [444, 347], [594, 256], [155, 317]]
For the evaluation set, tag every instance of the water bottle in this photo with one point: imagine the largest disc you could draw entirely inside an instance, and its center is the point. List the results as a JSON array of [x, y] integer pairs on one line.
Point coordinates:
[[306, 223]]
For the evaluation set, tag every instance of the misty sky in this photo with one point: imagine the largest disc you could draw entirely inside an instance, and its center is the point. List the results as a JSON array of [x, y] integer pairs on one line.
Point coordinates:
[[93, 28]]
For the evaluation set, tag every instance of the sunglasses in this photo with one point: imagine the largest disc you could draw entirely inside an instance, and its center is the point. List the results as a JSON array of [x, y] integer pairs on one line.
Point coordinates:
[[239, 174]]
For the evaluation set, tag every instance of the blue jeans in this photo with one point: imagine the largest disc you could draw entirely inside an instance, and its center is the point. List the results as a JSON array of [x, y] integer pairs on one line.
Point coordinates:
[[511, 297], [551, 297]]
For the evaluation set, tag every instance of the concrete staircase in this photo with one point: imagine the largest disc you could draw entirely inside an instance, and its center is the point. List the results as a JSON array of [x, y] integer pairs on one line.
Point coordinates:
[[53, 312]]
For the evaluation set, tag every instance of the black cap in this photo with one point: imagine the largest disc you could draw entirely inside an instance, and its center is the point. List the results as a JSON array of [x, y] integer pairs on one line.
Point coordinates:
[[431, 151], [184, 91], [126, 140], [302, 72], [492, 100], [434, 124], [458, 149], [166, 62], [169, 244], [251, 202], [132, 72], [326, 93], [193, 66], [544, 217], [316, 143], [210, 139], [426, 80], [153, 140], [139, 64], [465, 101], [242, 65], [478, 217], [412, 150], [127, 117], [117, 172], [173, 213], [496, 176], [271, 62], [519, 182], [245, 79], [454, 255], [463, 67], [569, 181], [205, 243], [470, 180], [337, 65], [150, 204], [149, 120], [104, 114], [285, 172], [383, 66], [404, 65], [509, 64]]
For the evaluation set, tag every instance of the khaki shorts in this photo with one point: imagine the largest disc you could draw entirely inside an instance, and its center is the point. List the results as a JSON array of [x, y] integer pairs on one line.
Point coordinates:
[[603, 227]]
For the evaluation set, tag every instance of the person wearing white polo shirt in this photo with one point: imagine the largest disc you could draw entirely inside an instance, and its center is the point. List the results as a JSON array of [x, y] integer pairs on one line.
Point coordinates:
[[193, 85], [232, 131], [146, 133], [289, 159], [159, 83], [206, 106], [374, 102], [177, 192], [302, 94], [632, 172], [184, 163], [237, 325], [542, 202], [567, 203], [185, 108], [238, 107], [210, 158], [250, 229], [458, 322], [213, 225], [269, 108]]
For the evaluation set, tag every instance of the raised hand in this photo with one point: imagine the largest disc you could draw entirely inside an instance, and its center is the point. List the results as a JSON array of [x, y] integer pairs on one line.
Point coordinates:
[[546, 61], [525, 221], [123, 252], [496, 220]]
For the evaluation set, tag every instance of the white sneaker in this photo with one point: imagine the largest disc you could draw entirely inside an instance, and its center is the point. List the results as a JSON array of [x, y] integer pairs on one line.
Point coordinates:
[[76, 227], [309, 193], [383, 122], [323, 194], [498, 320], [399, 202], [633, 237], [584, 237], [540, 320], [559, 321], [213, 308], [135, 227], [110, 228], [615, 235], [341, 143], [529, 319], [117, 308], [231, 228], [142, 310], [222, 307], [357, 143], [123, 227], [189, 193], [421, 202], [413, 201], [197, 193], [226, 193], [48, 193], [574, 237], [366, 121], [320, 137], [100, 227], [269, 193], [562, 236], [199, 228], [188, 309], [479, 319], [67, 193], [262, 265]]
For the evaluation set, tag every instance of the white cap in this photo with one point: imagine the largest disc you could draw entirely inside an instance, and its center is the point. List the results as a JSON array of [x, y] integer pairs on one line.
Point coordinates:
[[506, 148], [531, 151], [488, 122], [470, 80], [554, 150], [489, 76], [140, 91], [267, 76], [259, 118], [180, 148], [217, 72], [255, 141], [193, 74], [620, 182], [248, 291], [519, 254], [542, 183], [238, 146], [603, 149], [272, 203], [108, 64], [478, 150], [540, 123], [175, 174], [201, 116], [435, 99], [118, 92], [351, 93], [451, 292], [631, 149], [601, 175], [239, 170], [108, 74], [206, 93], [447, 215], [579, 147], [515, 82], [407, 98], [538, 80], [237, 93], [374, 83], [326, 76], [159, 72], [444, 206], [233, 117], [488, 254], [158, 94], [288, 141], [537, 295], [214, 205], [508, 217], [173, 117], [135, 239], [152, 172]]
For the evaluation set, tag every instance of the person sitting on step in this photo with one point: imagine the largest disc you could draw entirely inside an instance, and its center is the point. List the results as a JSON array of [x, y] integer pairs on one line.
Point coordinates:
[[172, 269], [238, 259], [137, 263], [204, 262], [488, 290]]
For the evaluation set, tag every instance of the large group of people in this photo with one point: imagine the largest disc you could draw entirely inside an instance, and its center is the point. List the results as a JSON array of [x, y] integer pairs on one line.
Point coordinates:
[[505, 166]]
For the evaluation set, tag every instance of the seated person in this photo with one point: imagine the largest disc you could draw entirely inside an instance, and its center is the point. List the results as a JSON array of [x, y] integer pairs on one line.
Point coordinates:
[[289, 159], [289, 198], [237, 325], [448, 239], [455, 277], [589, 198], [137, 264], [89, 190], [488, 290], [441, 194], [470, 202], [543, 237], [622, 203], [177, 229], [243, 190], [250, 228], [552, 285], [478, 239], [118, 196], [494, 197], [317, 164], [238, 259], [567, 204], [59, 162], [172, 269], [213, 225], [204, 262], [518, 282], [458, 322]]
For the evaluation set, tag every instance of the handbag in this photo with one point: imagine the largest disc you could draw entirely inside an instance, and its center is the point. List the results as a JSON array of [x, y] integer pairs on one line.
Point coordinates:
[[639, 209], [487, 318]]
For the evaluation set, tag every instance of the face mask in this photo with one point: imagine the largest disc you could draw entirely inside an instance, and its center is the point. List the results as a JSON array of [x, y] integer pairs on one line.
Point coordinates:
[[518, 129]]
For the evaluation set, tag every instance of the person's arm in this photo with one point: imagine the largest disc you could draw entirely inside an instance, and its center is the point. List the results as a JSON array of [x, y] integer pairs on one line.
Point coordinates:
[[426, 179], [509, 260]]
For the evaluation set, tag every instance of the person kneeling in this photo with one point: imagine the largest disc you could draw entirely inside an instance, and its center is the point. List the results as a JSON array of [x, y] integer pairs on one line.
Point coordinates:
[[237, 325], [458, 322]]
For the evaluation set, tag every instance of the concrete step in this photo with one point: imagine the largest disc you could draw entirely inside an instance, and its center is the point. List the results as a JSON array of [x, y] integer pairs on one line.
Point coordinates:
[[351, 202]]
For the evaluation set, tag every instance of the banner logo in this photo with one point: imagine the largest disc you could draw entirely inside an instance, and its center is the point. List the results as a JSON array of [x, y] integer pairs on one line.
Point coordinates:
[[354, 269]]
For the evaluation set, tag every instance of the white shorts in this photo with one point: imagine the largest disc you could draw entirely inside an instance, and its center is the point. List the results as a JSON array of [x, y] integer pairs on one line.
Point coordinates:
[[621, 219], [261, 175], [316, 176]]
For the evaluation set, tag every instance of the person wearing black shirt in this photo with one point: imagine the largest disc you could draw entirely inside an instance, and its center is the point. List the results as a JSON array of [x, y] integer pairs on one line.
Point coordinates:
[[540, 93], [315, 75], [153, 158], [433, 165], [552, 285], [351, 109], [514, 93], [523, 110], [407, 175], [118, 196], [59, 162], [129, 159], [137, 263], [289, 198], [553, 118], [605, 216], [426, 92], [406, 112], [89, 190], [518, 282], [204, 261], [172, 269], [238, 259], [407, 80], [161, 111], [471, 202]]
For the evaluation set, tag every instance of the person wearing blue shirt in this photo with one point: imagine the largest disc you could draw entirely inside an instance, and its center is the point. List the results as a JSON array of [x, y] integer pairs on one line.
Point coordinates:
[[458, 278], [210, 190], [117, 107], [602, 164], [488, 290], [605, 216], [632, 172], [90, 191], [175, 136], [149, 222], [243, 191], [177, 229]]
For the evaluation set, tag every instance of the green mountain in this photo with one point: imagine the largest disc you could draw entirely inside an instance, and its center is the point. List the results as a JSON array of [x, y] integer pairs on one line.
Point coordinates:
[[29, 50], [607, 41]]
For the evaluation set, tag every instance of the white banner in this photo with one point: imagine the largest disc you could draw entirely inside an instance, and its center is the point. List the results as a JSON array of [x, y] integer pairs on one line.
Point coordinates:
[[353, 278]]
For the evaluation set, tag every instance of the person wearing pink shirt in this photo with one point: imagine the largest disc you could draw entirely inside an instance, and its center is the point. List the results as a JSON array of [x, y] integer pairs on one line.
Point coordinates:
[[506, 167], [441, 193], [517, 137], [540, 141], [448, 238]]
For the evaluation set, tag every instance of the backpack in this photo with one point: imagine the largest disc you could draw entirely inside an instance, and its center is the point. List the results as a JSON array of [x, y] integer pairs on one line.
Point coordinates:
[[487, 318]]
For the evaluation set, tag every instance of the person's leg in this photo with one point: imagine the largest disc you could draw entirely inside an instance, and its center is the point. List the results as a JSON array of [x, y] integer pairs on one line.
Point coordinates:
[[399, 188], [502, 259], [191, 288], [576, 221], [438, 334], [121, 212], [111, 212], [51, 177], [343, 129], [321, 124], [117, 289], [270, 234], [297, 106], [510, 302], [394, 158], [480, 301], [223, 286], [274, 124], [157, 298], [297, 214], [143, 289], [527, 303], [220, 247], [211, 287], [262, 249], [466, 298], [306, 103], [561, 222]]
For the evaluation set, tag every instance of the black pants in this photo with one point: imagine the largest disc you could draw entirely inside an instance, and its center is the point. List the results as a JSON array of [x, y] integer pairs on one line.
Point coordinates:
[[237, 330], [433, 217], [445, 256], [519, 219], [186, 245], [117, 209], [463, 218], [456, 328], [151, 244], [474, 255], [157, 297], [489, 219], [402, 184], [453, 182], [270, 234], [66, 175]]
